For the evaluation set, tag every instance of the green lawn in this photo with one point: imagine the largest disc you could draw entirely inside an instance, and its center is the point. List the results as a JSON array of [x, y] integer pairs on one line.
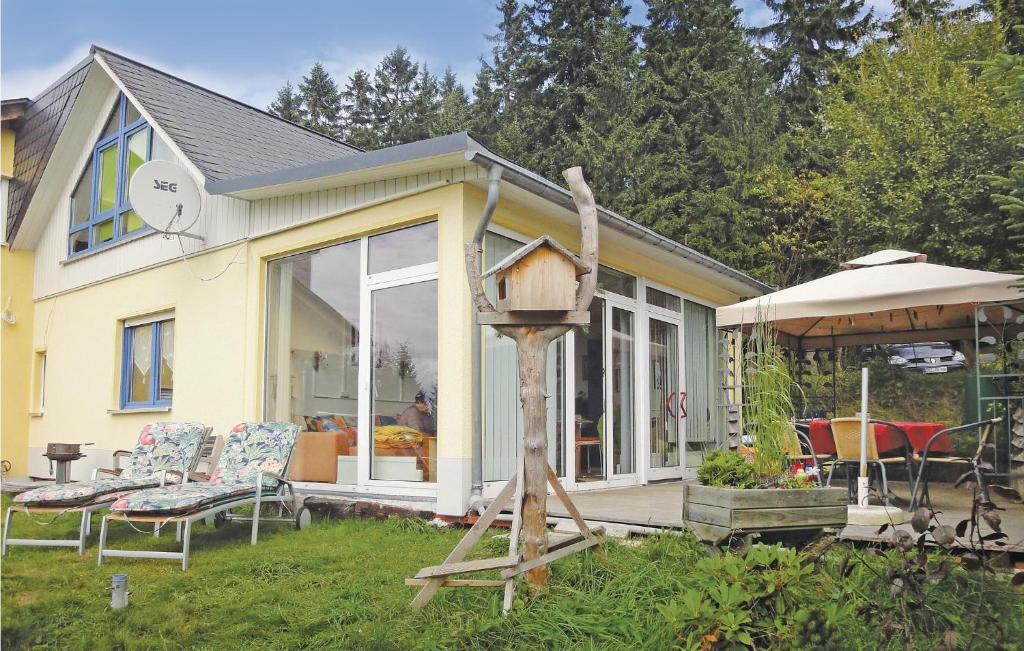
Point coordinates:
[[339, 584]]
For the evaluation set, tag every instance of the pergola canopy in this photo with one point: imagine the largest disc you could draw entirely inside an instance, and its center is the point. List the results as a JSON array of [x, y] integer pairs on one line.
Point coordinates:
[[885, 297]]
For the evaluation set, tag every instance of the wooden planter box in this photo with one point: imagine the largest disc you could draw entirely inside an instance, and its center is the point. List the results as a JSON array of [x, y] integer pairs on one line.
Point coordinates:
[[715, 514]]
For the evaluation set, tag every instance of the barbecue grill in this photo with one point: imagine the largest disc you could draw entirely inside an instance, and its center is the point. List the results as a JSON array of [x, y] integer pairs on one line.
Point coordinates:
[[63, 454]]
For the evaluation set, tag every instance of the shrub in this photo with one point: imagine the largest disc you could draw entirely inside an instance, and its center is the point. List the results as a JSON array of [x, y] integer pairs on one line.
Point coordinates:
[[726, 469]]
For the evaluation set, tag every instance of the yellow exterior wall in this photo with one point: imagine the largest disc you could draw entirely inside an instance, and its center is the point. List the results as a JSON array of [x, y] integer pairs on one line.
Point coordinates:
[[6, 153], [16, 354], [81, 332]]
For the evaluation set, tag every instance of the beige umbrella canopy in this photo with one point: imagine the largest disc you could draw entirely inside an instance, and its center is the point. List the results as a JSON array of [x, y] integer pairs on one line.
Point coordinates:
[[886, 297]]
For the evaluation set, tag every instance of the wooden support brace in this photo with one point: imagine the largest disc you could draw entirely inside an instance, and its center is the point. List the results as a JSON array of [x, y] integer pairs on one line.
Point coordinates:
[[428, 591], [459, 583], [549, 557], [572, 540], [563, 497], [466, 566], [513, 539]]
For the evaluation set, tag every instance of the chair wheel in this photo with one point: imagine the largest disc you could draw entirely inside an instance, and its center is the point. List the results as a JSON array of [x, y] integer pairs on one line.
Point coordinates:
[[303, 518]]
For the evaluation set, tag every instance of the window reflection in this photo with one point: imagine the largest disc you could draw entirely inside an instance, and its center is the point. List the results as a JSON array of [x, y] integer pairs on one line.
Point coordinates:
[[610, 280], [407, 247], [313, 349], [404, 386]]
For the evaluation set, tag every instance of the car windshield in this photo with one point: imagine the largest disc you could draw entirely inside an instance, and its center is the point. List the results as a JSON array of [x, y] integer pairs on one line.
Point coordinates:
[[931, 349]]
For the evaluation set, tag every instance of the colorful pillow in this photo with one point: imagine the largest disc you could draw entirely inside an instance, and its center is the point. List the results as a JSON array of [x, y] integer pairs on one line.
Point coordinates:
[[164, 446], [252, 448]]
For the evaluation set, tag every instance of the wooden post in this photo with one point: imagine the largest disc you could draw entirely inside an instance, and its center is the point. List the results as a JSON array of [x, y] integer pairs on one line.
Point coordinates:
[[532, 345], [532, 477]]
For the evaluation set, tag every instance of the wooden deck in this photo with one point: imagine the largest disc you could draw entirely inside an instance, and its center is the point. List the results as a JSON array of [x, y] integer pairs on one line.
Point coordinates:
[[659, 506]]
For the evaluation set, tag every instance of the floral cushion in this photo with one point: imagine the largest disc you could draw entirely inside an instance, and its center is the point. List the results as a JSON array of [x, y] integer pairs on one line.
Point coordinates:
[[80, 493], [180, 498], [164, 446], [252, 448]]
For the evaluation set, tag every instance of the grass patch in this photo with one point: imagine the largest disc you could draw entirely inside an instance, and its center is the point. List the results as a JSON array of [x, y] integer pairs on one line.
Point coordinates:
[[339, 584]]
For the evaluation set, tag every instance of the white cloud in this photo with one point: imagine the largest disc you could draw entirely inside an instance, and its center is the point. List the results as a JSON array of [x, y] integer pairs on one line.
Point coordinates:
[[29, 82]]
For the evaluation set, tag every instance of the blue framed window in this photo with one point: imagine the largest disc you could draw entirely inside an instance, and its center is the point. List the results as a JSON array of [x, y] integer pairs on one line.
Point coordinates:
[[147, 363], [100, 211]]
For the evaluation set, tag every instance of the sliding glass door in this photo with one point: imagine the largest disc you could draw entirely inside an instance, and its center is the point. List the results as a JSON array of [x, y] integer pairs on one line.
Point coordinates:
[[604, 365], [667, 400]]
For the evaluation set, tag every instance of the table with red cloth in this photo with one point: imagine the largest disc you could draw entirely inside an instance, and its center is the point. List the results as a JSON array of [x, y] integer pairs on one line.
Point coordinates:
[[886, 438]]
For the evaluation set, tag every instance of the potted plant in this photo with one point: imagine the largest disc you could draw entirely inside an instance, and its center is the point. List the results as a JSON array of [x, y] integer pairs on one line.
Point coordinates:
[[754, 490]]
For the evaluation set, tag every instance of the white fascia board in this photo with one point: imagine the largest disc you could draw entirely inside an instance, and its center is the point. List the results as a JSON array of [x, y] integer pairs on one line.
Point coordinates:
[[94, 100]]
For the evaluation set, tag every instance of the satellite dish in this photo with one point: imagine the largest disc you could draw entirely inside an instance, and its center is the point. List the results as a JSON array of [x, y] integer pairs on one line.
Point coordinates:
[[165, 197]]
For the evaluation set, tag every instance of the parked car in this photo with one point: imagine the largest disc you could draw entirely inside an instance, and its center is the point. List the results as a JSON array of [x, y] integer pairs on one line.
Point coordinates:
[[927, 357]]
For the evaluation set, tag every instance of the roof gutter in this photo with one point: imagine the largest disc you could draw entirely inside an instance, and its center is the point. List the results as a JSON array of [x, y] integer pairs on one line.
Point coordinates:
[[559, 195]]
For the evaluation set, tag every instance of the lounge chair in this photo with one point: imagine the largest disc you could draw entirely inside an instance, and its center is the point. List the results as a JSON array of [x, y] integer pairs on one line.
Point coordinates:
[[846, 434], [164, 451], [251, 471]]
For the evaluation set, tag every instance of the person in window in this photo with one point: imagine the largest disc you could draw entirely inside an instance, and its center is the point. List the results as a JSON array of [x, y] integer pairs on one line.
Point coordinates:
[[417, 416]]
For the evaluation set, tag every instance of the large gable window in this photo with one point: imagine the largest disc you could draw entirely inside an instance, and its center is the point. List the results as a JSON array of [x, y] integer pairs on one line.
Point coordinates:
[[100, 211]]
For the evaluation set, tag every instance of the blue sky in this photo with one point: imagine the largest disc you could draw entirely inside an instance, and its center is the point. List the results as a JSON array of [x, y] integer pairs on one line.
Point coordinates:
[[247, 50]]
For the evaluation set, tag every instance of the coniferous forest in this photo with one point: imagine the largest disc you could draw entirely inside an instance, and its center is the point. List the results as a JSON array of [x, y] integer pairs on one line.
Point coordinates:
[[782, 150]]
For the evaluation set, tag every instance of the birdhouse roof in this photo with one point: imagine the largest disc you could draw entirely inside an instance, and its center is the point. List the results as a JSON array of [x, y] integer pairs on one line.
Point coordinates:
[[527, 249]]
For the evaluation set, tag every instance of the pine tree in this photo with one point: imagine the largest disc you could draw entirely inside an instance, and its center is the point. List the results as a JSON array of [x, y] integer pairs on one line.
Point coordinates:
[[486, 105], [809, 38], [288, 105], [574, 53], [418, 116], [513, 51], [321, 100], [358, 126], [705, 89], [394, 89], [454, 111]]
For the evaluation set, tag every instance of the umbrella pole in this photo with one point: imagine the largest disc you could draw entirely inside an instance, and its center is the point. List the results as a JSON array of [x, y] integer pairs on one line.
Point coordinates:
[[862, 478], [862, 513]]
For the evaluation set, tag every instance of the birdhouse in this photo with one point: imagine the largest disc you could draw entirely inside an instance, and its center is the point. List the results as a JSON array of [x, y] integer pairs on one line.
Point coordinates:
[[539, 277]]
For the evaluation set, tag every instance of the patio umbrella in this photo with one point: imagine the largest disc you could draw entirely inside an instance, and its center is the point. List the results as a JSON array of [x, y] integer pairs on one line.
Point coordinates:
[[888, 296]]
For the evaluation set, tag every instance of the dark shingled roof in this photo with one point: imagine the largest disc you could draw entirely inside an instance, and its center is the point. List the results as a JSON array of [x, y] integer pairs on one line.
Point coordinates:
[[224, 138], [38, 131]]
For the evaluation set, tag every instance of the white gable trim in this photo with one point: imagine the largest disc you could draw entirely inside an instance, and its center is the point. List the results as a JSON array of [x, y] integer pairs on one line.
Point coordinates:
[[159, 130], [79, 133]]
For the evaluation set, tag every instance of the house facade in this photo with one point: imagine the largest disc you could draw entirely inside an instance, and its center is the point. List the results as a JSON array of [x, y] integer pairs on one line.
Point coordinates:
[[329, 290]]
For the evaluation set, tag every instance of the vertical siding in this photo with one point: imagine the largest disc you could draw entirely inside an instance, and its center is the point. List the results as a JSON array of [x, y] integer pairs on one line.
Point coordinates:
[[223, 220], [278, 212]]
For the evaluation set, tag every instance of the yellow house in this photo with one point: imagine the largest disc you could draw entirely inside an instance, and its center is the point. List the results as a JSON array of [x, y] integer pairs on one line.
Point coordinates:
[[328, 289]]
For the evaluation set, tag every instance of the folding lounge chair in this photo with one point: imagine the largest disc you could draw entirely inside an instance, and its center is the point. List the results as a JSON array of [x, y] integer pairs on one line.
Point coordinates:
[[251, 471], [164, 451]]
